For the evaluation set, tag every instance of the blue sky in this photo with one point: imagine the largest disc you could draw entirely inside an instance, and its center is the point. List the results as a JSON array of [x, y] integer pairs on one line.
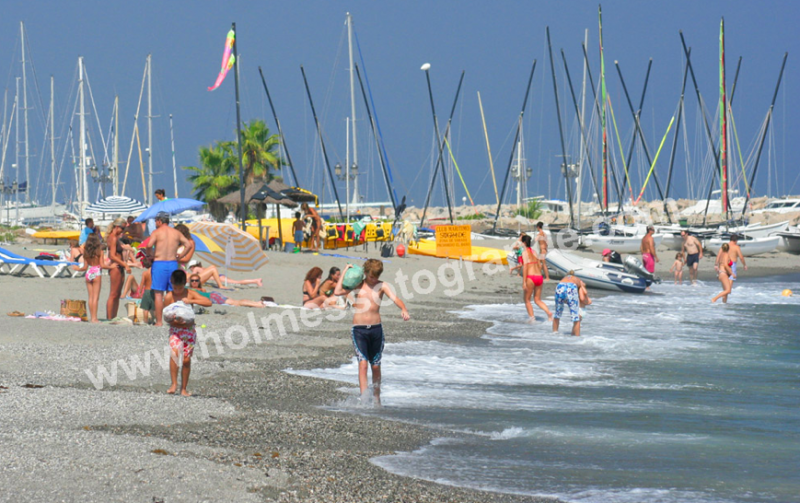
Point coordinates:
[[494, 42]]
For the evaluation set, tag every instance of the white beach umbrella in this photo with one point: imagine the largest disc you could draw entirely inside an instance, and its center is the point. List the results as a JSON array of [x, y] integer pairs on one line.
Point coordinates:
[[116, 205]]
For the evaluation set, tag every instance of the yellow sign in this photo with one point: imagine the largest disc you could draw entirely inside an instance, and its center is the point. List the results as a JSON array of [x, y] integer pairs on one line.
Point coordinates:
[[453, 241]]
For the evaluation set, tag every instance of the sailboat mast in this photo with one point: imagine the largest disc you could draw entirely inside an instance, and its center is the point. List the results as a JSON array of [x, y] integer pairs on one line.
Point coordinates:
[[352, 105], [52, 142], [149, 131], [25, 113], [174, 169], [583, 138], [603, 120], [83, 196], [116, 145], [723, 121], [16, 157]]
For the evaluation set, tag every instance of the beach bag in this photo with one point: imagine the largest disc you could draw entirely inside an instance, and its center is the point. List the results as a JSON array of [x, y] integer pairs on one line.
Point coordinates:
[[387, 250], [353, 277], [178, 310], [74, 309]]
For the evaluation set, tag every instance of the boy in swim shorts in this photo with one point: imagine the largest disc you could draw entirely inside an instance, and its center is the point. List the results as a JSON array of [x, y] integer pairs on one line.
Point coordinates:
[[367, 332], [567, 292]]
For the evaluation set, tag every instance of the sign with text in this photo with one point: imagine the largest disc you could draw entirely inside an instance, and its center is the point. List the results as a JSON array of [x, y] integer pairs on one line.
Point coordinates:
[[453, 241]]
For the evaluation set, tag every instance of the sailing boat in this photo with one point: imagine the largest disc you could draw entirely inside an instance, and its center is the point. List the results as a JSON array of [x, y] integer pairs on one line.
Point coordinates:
[[27, 211]]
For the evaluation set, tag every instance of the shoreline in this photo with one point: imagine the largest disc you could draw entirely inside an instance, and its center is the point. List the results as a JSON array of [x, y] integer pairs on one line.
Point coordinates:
[[259, 432]]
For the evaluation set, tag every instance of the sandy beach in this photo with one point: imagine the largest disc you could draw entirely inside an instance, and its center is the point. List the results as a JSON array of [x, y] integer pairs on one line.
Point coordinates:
[[252, 432]]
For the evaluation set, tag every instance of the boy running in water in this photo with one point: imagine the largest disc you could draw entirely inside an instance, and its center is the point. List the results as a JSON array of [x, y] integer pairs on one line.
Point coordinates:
[[367, 331]]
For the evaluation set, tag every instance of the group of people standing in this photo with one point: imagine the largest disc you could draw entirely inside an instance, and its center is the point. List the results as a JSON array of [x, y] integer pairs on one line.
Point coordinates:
[[532, 266]]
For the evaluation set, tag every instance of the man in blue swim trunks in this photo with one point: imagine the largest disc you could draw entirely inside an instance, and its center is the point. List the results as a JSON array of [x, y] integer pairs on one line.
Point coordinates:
[[367, 331], [166, 241], [568, 292]]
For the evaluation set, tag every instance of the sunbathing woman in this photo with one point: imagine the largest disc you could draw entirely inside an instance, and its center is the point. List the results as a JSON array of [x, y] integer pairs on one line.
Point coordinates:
[[311, 286], [217, 298], [325, 297], [93, 264], [210, 272]]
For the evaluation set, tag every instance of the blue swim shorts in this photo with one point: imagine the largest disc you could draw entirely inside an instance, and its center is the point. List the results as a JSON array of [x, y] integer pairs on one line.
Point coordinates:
[[161, 272], [368, 343], [567, 293]]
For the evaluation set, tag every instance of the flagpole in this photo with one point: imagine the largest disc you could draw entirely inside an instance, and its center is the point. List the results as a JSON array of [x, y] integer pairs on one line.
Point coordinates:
[[243, 208]]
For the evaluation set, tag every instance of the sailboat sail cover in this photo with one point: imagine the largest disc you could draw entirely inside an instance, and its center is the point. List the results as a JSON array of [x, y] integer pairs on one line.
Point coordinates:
[[227, 59]]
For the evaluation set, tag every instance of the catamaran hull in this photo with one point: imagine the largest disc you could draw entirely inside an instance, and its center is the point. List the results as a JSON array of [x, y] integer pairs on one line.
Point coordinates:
[[749, 247], [790, 242], [621, 244]]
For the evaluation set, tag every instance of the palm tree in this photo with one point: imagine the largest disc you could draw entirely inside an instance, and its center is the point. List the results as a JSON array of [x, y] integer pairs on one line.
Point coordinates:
[[259, 151], [215, 177]]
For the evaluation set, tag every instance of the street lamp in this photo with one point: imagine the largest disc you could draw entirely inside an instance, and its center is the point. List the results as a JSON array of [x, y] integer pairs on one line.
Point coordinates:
[[100, 177]]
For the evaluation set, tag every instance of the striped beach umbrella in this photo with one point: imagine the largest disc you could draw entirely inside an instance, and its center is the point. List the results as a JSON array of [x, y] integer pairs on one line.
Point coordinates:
[[116, 205], [243, 249]]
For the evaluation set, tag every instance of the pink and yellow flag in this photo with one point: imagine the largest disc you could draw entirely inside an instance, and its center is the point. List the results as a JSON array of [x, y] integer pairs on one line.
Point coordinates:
[[228, 59]]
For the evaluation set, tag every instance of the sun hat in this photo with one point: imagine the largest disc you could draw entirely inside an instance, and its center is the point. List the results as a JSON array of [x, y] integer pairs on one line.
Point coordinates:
[[192, 263], [606, 252]]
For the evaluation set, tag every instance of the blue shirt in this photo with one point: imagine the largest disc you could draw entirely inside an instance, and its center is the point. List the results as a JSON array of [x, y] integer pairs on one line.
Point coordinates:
[[85, 234]]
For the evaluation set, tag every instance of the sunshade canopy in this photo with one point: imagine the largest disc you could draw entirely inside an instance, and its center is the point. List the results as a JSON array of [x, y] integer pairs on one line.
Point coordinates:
[[247, 254]]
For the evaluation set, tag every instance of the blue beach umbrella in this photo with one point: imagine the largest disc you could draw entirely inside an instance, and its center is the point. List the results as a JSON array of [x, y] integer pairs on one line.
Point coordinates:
[[171, 206]]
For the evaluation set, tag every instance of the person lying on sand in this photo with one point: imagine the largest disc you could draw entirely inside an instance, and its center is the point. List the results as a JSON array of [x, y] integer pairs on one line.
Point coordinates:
[[211, 272], [196, 285]]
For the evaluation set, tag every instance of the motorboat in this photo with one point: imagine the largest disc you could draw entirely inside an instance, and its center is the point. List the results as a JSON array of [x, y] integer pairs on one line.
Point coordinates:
[[597, 274], [780, 206], [749, 245]]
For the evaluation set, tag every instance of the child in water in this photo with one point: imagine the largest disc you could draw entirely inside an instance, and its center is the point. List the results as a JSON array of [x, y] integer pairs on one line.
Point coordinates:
[[677, 268], [367, 332]]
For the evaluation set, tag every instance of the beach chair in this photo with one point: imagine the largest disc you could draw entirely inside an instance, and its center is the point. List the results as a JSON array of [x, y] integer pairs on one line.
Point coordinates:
[[17, 264]]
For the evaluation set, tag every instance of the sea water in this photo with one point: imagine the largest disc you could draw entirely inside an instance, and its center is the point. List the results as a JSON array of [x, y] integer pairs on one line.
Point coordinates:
[[665, 398]]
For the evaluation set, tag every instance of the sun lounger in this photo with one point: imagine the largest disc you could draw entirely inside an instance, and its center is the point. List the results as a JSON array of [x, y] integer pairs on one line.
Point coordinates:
[[17, 264]]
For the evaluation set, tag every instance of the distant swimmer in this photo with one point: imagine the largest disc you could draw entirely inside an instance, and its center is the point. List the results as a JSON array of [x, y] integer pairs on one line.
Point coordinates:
[[648, 249], [568, 292], [735, 254], [724, 273], [693, 251], [532, 279]]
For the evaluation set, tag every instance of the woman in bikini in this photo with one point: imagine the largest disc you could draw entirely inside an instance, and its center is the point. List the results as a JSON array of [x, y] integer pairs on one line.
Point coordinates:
[[326, 298], [724, 273], [532, 280], [187, 255], [217, 298], [311, 286], [119, 267], [93, 264]]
